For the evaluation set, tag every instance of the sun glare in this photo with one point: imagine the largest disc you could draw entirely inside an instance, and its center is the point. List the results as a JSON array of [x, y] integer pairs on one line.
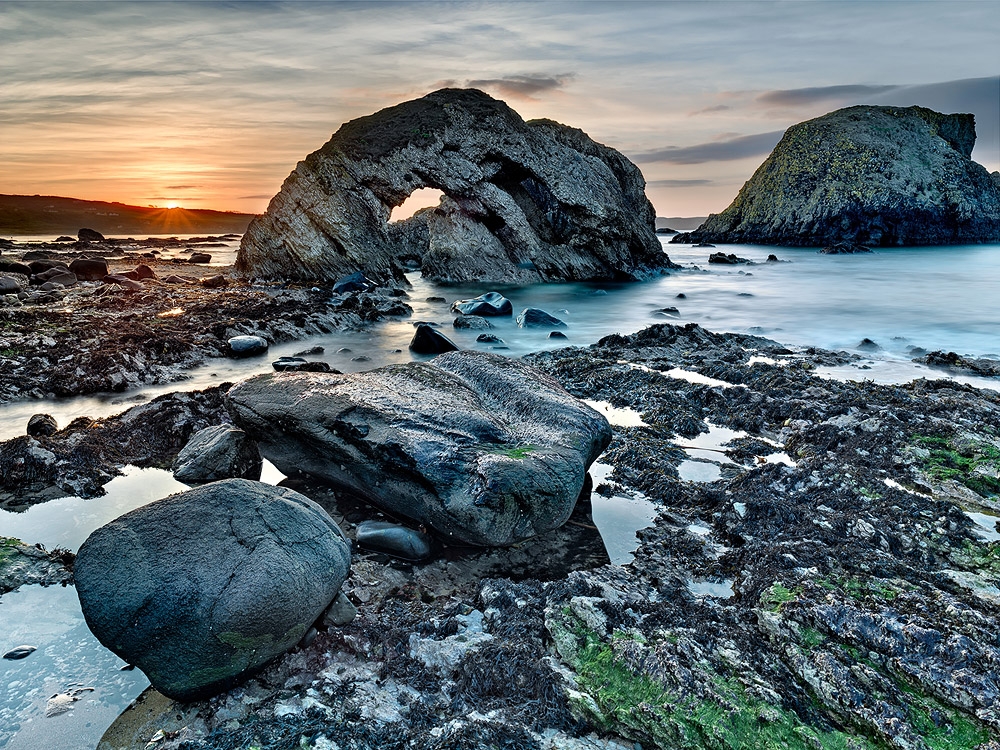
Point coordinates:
[[173, 204]]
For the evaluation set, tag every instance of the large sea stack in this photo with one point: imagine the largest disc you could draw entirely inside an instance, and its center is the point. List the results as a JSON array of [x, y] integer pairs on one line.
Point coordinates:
[[867, 175], [523, 201]]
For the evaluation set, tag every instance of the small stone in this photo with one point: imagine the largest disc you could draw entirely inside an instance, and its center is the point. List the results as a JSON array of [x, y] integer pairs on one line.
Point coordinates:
[[298, 364], [214, 282], [246, 346], [488, 338], [394, 540], [200, 258], [340, 612], [21, 652], [42, 425], [557, 335]]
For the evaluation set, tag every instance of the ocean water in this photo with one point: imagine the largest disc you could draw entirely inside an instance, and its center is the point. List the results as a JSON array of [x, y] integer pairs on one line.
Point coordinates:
[[936, 298]]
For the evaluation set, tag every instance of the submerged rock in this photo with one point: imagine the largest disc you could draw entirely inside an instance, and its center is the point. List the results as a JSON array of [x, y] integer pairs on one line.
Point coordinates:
[[218, 452], [532, 317], [491, 304], [482, 448], [205, 587], [524, 201], [298, 364], [866, 175]]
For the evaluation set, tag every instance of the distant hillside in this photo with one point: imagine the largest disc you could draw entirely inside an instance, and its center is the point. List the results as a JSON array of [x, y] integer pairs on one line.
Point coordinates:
[[47, 214], [680, 223]]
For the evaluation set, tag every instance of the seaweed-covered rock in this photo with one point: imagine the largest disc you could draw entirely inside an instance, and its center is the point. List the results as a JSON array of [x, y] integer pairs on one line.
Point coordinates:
[[524, 201], [482, 448], [866, 175], [204, 587]]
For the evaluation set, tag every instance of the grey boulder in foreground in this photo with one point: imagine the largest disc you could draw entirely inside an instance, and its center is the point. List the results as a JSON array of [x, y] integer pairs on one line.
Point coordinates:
[[524, 201], [204, 587], [866, 175], [483, 448]]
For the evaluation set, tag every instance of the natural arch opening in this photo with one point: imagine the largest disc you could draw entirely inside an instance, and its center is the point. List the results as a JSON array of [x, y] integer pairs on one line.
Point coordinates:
[[419, 198]]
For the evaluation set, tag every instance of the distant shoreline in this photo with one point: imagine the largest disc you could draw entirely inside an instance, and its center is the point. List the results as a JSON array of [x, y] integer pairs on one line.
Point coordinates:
[[30, 215]]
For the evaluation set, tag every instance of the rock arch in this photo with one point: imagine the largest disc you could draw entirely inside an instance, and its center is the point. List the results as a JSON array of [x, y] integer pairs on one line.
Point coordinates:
[[523, 201]]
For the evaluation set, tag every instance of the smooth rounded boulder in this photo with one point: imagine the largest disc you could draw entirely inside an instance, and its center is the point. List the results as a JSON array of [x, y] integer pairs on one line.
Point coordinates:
[[532, 317], [491, 304], [217, 452], [246, 346], [484, 449], [203, 588], [89, 269]]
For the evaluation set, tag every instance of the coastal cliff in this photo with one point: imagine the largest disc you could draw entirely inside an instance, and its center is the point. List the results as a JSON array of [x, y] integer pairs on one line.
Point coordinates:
[[866, 175]]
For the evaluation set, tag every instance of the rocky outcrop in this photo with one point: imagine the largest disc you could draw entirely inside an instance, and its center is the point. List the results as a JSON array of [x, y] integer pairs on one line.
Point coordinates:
[[867, 175], [524, 201], [217, 452], [204, 587], [484, 449]]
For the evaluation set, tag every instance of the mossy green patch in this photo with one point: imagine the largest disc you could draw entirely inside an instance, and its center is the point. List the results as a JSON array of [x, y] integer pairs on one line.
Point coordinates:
[[636, 706], [962, 463], [8, 548], [942, 727], [514, 451], [777, 596]]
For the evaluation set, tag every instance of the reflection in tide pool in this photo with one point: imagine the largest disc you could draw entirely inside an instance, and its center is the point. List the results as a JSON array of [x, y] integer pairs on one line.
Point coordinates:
[[68, 661], [619, 517], [68, 521]]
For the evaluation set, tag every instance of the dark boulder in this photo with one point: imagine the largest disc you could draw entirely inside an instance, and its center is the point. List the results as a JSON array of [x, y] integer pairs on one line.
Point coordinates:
[[867, 345], [21, 652], [395, 540], [355, 282], [9, 285], [298, 364], [246, 346], [730, 259], [532, 317], [18, 268], [218, 281], [218, 452], [42, 425], [205, 587], [483, 448], [428, 341], [200, 258], [557, 335], [43, 265], [89, 269], [142, 272], [488, 338], [866, 175], [491, 304], [65, 238], [524, 201], [89, 235]]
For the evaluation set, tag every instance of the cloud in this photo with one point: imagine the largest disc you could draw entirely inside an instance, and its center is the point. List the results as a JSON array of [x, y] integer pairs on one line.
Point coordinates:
[[731, 149], [255, 197], [678, 183], [800, 97], [522, 87], [183, 187], [709, 110]]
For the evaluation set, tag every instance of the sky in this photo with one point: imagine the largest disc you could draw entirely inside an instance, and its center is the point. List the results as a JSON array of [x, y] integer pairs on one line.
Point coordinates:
[[210, 105]]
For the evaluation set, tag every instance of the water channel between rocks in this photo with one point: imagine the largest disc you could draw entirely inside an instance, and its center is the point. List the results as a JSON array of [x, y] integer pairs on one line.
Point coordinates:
[[936, 298]]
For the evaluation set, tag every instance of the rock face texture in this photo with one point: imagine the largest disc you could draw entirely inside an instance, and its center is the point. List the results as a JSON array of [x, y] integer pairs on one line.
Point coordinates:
[[217, 452], [484, 449], [206, 586], [867, 175], [524, 201]]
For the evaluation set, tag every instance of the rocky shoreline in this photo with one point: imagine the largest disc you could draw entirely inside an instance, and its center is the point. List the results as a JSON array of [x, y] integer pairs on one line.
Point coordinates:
[[841, 599]]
